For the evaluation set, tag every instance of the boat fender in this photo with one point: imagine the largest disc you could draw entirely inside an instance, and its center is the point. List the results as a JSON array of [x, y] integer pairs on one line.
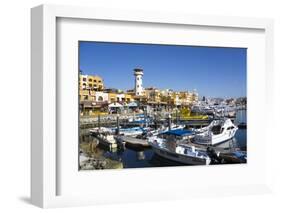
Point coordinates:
[[218, 154]]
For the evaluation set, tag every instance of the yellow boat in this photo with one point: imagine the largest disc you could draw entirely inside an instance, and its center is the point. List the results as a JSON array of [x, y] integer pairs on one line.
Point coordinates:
[[185, 114]]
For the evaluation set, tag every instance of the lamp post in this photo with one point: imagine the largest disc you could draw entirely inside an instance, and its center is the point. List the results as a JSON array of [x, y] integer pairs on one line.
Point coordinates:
[[177, 116], [99, 121], [169, 121], [117, 123], [155, 120]]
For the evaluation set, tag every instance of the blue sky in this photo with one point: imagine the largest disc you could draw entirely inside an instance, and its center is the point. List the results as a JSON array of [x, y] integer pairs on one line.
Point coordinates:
[[213, 72]]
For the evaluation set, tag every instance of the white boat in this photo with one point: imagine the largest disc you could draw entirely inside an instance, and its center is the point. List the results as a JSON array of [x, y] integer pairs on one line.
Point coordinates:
[[173, 145], [133, 131], [105, 136], [217, 132]]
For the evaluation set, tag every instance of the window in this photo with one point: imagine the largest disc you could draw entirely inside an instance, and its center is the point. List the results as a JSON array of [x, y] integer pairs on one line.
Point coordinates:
[[95, 80], [84, 79], [99, 81], [90, 80], [100, 98], [90, 85], [232, 127]]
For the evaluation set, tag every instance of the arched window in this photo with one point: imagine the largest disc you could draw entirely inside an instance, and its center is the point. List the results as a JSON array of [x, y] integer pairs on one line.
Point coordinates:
[[100, 98]]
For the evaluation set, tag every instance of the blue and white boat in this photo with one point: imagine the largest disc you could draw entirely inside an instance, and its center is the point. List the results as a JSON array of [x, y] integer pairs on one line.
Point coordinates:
[[174, 145], [133, 131]]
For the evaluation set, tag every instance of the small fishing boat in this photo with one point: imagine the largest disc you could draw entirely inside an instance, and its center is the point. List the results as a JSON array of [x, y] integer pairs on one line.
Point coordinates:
[[173, 145], [132, 131], [218, 131], [105, 137]]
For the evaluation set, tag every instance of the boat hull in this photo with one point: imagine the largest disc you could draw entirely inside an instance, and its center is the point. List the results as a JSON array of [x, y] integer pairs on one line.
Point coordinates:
[[184, 159], [213, 142]]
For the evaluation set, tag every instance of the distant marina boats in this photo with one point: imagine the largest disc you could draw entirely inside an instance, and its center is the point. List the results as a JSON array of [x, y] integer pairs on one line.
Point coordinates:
[[173, 145], [216, 132], [221, 110]]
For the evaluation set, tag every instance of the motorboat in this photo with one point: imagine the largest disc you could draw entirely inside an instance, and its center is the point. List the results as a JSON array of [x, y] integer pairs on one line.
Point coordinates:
[[105, 136], [218, 131], [155, 132], [173, 145], [133, 131]]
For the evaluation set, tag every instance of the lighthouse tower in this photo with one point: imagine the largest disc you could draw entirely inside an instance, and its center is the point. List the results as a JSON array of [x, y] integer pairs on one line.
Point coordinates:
[[138, 81]]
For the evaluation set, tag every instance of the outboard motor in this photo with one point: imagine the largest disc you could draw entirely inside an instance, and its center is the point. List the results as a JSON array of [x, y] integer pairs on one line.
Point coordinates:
[[213, 155]]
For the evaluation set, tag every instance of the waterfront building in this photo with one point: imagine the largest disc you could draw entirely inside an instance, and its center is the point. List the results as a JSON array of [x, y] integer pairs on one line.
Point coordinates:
[[120, 97], [176, 100], [101, 96], [112, 97], [87, 95], [152, 94], [92, 82], [94, 98], [129, 98]]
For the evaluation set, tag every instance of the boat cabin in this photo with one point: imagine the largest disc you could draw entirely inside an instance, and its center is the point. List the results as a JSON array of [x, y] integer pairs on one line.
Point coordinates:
[[219, 128], [176, 134]]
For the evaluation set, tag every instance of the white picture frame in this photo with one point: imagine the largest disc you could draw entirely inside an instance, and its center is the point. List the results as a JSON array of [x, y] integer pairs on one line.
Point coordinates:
[[44, 135]]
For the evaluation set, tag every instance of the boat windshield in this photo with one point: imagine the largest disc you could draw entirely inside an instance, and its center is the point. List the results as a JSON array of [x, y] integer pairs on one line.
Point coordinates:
[[216, 129]]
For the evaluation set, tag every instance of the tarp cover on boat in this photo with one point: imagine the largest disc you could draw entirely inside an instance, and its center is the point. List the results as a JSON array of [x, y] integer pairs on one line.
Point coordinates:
[[179, 132]]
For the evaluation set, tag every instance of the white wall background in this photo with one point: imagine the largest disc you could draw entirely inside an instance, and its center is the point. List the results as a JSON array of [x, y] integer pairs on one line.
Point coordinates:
[[15, 98]]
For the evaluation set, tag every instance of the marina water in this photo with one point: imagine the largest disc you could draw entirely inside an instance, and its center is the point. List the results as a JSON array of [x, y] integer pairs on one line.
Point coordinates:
[[145, 157]]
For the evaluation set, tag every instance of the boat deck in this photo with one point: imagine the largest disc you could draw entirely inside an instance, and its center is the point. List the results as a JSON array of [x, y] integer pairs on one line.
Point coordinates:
[[134, 141]]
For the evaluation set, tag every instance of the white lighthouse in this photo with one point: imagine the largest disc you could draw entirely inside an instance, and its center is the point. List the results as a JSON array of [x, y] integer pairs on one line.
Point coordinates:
[[138, 81]]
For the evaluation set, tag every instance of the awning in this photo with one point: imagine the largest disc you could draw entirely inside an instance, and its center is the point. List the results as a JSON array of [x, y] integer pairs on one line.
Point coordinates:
[[115, 105], [132, 104]]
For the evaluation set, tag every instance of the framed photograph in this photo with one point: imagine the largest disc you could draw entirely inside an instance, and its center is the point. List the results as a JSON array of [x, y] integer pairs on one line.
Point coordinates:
[[131, 106]]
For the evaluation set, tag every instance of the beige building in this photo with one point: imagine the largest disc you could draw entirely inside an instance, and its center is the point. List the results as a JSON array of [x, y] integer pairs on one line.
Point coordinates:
[[92, 82]]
